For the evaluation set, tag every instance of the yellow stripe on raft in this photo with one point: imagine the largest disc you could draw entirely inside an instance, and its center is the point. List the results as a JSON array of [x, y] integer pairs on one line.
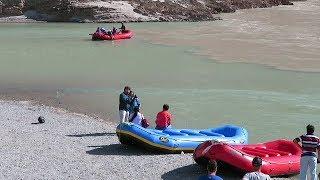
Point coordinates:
[[151, 143]]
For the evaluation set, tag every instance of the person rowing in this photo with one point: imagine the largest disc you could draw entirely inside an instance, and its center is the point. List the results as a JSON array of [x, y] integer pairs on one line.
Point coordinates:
[[122, 28], [114, 31]]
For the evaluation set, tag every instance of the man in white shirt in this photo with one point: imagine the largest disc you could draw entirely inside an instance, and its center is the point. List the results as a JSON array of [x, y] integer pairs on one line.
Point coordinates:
[[257, 174]]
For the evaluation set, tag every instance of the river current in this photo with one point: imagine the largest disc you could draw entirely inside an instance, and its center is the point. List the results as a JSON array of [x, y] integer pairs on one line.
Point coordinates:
[[256, 68]]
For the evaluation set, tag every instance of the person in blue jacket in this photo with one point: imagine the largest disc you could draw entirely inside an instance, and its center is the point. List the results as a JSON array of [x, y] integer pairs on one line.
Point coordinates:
[[212, 170], [135, 102]]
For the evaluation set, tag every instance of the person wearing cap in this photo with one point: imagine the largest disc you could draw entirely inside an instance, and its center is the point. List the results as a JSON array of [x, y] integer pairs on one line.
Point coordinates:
[[256, 174], [310, 149], [212, 170], [124, 104]]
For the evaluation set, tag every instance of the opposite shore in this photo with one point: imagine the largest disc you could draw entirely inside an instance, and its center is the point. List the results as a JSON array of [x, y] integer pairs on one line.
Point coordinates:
[[22, 11]]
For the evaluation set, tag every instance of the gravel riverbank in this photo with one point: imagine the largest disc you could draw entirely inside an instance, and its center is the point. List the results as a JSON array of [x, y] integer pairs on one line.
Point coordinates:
[[75, 146]]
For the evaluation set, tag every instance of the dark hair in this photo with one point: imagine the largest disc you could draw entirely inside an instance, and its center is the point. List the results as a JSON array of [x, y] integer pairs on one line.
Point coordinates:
[[165, 107], [256, 162], [310, 129], [127, 87], [212, 166]]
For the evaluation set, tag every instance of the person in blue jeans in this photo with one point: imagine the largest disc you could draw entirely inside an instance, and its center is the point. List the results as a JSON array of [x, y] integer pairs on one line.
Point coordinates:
[[212, 170]]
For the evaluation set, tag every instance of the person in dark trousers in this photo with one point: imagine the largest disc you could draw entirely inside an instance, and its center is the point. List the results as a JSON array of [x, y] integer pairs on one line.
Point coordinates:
[[122, 28], [310, 149], [256, 174], [164, 118], [212, 170], [124, 104]]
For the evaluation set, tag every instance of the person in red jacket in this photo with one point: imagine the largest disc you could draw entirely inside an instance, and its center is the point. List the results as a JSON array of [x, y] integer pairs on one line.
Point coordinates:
[[164, 118]]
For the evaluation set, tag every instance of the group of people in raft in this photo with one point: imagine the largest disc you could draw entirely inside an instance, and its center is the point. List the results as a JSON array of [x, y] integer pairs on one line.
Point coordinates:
[[129, 110], [110, 32]]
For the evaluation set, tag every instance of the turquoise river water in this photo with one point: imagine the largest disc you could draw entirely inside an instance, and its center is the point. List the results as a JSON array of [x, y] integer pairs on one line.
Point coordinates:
[[59, 63]]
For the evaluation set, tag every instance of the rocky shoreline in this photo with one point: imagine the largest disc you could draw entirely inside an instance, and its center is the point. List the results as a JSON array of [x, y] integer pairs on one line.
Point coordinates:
[[124, 11], [76, 146]]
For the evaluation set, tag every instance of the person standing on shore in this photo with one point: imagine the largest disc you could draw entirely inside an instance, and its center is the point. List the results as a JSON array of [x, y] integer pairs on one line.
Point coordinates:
[[257, 174], [135, 102], [164, 118], [124, 104], [212, 171], [310, 149]]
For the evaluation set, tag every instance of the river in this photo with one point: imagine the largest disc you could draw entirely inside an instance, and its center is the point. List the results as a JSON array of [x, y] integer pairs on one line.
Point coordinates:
[[256, 68]]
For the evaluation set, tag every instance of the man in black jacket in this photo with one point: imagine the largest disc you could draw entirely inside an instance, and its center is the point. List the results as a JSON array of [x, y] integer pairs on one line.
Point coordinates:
[[124, 104]]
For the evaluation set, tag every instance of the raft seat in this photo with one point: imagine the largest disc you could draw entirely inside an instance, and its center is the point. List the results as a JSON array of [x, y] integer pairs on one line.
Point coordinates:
[[191, 133], [282, 153], [265, 151], [254, 153], [174, 132], [210, 133]]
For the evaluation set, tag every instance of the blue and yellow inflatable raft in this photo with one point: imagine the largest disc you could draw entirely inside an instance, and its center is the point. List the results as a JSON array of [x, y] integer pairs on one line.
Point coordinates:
[[173, 140]]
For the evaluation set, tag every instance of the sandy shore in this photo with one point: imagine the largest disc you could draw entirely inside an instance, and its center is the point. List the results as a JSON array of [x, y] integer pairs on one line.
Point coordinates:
[[75, 146]]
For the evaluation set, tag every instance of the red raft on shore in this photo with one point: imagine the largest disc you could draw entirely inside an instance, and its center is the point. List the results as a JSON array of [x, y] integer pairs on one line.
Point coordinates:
[[126, 34], [280, 157]]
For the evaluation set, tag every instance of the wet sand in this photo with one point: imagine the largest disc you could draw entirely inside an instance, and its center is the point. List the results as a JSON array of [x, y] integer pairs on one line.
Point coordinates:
[[76, 146]]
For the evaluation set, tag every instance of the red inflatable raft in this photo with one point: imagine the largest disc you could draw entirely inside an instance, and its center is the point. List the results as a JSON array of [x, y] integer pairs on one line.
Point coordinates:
[[127, 34], [280, 157]]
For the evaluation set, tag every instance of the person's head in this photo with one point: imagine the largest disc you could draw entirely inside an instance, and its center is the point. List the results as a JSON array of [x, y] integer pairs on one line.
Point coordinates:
[[257, 163], [165, 107], [212, 166], [127, 90], [310, 129], [131, 94]]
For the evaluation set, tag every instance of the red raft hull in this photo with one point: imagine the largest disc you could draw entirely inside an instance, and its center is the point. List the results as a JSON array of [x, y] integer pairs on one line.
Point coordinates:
[[122, 35], [280, 157]]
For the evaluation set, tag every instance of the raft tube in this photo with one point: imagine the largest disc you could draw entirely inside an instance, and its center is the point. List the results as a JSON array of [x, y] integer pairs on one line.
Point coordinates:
[[173, 140], [279, 157], [127, 34]]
